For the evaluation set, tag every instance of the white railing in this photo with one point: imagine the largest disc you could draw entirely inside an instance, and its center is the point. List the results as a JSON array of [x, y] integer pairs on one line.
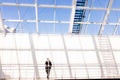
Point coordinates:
[[61, 71]]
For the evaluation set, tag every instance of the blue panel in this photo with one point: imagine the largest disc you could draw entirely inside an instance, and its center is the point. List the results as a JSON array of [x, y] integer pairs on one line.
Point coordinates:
[[79, 15]]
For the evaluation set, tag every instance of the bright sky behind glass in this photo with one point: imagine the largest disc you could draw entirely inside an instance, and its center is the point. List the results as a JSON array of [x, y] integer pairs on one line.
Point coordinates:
[[62, 14]]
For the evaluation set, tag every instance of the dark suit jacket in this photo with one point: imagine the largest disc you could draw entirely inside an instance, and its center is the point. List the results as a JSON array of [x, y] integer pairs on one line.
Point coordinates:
[[48, 65]]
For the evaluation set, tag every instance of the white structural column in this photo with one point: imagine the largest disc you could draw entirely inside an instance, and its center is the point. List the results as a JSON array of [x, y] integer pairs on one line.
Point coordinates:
[[83, 16], [36, 14], [19, 24], [116, 26], [72, 15], [36, 70], [89, 14], [2, 28], [105, 17], [54, 17]]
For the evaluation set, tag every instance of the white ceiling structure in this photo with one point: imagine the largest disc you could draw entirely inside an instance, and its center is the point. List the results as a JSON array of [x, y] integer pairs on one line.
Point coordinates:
[[57, 16]]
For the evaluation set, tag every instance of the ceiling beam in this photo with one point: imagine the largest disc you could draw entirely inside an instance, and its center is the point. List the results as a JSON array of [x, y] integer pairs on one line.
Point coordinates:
[[56, 6], [15, 4], [42, 21], [33, 5], [105, 17], [98, 23], [63, 22]]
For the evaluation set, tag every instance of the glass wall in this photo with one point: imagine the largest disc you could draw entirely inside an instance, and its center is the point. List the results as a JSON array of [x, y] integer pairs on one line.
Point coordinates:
[[72, 56]]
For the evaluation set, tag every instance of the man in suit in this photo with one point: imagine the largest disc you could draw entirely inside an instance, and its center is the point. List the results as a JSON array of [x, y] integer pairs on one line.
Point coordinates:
[[48, 65]]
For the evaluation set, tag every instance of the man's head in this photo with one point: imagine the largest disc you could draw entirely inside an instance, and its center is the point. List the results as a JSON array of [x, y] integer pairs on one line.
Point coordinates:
[[47, 59]]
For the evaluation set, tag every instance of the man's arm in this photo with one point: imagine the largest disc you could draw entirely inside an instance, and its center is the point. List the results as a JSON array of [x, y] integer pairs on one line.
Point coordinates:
[[50, 63]]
